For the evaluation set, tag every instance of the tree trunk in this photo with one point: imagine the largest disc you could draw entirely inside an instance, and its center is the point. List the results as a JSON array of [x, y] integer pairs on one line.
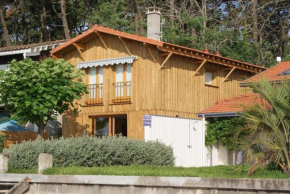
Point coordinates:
[[64, 19], [41, 126], [171, 12], [136, 24], [5, 30], [204, 15], [282, 40], [23, 23], [139, 17], [87, 8], [43, 24], [255, 21]]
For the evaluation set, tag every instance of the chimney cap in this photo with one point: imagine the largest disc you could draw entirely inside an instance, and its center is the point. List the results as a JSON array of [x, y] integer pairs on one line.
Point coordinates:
[[152, 10]]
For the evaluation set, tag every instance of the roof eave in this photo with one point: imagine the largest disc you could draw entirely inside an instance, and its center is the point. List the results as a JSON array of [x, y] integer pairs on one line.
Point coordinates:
[[223, 114], [255, 83]]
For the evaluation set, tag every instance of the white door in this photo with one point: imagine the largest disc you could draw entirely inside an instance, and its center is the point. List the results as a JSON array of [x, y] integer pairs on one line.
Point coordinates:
[[186, 136]]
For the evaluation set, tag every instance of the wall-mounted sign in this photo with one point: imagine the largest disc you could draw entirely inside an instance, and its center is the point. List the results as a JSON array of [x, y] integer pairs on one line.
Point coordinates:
[[147, 120]]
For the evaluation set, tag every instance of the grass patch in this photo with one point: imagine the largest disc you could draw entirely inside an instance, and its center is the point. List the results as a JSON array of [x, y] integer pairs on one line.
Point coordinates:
[[22, 171], [211, 172]]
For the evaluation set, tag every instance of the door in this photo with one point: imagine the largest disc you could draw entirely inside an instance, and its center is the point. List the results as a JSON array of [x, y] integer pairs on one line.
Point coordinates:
[[185, 136]]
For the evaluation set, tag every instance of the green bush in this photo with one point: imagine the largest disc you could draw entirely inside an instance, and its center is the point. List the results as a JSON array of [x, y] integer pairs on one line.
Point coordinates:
[[2, 142], [90, 151]]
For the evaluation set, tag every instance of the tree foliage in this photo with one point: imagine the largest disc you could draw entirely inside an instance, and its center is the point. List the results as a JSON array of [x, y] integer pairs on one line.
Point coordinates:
[[252, 31], [224, 129], [37, 91], [269, 129]]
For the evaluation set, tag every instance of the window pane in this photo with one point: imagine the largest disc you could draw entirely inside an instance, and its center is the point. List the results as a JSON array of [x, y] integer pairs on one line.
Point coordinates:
[[128, 72], [208, 77], [100, 74], [119, 73], [92, 75], [92, 80], [102, 127], [101, 80]]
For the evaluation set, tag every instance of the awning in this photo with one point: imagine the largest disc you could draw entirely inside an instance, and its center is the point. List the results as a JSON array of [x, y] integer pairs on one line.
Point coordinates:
[[106, 62]]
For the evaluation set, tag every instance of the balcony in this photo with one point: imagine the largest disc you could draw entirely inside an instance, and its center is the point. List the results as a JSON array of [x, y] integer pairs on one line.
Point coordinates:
[[122, 92], [95, 94]]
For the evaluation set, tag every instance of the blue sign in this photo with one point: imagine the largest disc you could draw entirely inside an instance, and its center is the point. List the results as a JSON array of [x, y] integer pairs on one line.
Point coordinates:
[[147, 120]]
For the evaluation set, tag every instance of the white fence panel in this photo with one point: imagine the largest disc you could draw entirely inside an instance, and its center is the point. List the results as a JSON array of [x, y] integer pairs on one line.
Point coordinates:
[[186, 136]]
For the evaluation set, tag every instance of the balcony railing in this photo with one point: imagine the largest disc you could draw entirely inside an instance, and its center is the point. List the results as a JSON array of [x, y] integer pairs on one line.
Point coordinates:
[[95, 94], [122, 91]]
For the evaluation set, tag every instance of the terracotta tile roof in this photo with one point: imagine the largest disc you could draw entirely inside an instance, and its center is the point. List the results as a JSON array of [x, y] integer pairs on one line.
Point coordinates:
[[236, 104], [108, 31], [215, 55], [27, 46], [101, 29], [271, 74]]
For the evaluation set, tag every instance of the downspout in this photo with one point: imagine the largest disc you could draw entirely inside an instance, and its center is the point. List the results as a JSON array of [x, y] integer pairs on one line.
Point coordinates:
[[24, 55]]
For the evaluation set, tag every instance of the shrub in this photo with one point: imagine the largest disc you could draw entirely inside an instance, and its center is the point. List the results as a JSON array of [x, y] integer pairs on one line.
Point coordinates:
[[90, 151], [2, 142]]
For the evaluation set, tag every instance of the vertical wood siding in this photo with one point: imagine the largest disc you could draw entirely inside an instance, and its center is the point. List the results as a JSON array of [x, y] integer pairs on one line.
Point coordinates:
[[171, 91]]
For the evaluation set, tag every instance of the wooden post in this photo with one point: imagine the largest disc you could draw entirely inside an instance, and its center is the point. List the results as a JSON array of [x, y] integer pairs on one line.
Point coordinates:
[[125, 45], [110, 126], [94, 128], [168, 56], [90, 128], [79, 47], [102, 40], [232, 70], [150, 52], [114, 126], [200, 66], [124, 80]]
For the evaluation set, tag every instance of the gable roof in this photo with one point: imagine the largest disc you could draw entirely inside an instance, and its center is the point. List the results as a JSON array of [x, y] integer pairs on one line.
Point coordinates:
[[229, 107], [272, 74], [162, 46]]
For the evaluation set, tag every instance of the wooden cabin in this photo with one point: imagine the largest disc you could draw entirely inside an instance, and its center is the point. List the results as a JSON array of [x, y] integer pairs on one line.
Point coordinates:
[[129, 76]]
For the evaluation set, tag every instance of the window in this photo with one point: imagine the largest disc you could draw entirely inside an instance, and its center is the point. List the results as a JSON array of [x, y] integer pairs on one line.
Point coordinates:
[[95, 85], [4, 67], [122, 85], [208, 77], [287, 72], [109, 125]]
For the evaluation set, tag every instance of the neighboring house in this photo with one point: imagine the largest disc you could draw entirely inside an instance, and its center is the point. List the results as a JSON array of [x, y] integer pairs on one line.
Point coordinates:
[[36, 52], [234, 106], [129, 76]]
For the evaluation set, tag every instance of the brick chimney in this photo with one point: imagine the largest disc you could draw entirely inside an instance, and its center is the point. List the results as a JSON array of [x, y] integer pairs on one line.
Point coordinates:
[[153, 23]]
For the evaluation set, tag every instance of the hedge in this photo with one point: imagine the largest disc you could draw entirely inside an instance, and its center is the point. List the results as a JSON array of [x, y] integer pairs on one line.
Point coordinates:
[[90, 151]]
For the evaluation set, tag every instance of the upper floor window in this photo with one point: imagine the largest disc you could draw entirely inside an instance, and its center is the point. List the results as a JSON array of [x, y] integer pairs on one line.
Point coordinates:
[[95, 85], [208, 77], [122, 85]]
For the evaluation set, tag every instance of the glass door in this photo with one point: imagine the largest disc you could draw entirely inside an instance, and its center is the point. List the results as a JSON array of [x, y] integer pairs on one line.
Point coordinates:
[[109, 125]]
